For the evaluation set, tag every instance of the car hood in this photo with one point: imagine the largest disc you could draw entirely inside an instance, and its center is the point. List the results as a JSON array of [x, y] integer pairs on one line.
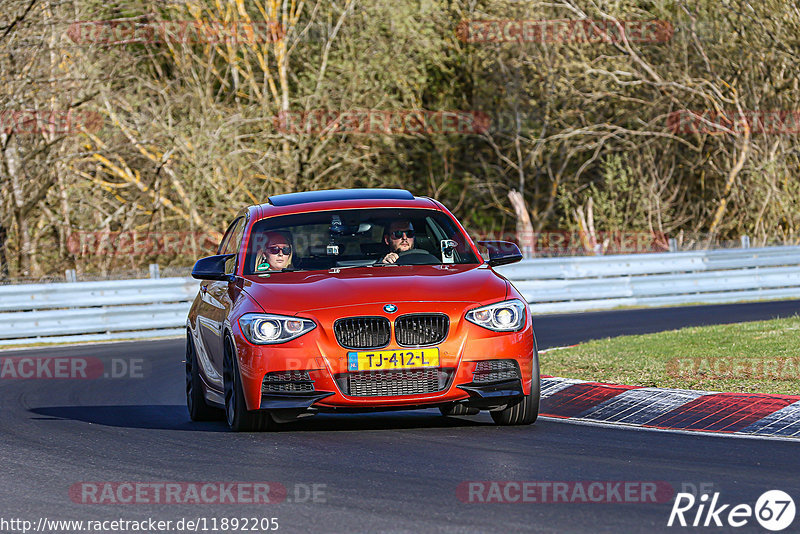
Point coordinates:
[[294, 292]]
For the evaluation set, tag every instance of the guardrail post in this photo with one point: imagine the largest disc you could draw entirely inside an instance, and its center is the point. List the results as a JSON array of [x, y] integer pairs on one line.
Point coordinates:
[[745, 241], [154, 271], [673, 244], [71, 275]]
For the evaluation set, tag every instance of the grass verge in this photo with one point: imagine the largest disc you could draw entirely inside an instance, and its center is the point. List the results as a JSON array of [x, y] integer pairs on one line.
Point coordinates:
[[753, 357]]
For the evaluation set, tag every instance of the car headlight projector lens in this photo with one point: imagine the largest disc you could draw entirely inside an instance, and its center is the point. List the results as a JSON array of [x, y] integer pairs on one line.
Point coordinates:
[[267, 330], [506, 316]]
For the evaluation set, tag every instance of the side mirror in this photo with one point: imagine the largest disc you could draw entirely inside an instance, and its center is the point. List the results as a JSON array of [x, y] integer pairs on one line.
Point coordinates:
[[213, 268], [501, 252]]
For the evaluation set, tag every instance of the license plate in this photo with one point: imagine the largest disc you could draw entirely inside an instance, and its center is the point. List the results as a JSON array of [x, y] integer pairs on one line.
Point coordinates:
[[382, 360]]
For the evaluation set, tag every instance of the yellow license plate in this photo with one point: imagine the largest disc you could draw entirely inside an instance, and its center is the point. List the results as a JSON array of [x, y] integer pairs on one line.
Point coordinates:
[[382, 360]]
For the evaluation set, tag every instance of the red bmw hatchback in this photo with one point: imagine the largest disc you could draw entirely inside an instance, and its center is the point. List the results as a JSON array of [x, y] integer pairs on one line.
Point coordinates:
[[357, 300]]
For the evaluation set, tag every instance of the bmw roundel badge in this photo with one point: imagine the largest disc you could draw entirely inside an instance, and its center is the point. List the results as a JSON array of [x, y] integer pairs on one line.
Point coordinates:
[[390, 308]]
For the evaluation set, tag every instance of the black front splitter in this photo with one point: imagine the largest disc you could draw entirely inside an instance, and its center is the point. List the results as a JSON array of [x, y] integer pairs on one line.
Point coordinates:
[[487, 396]]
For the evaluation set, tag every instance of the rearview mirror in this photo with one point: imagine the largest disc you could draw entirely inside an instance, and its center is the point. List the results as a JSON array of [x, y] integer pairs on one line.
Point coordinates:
[[501, 252], [213, 268], [350, 229]]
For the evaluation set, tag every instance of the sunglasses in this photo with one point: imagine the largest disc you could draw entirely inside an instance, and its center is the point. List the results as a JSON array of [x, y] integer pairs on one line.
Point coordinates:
[[398, 234], [275, 249]]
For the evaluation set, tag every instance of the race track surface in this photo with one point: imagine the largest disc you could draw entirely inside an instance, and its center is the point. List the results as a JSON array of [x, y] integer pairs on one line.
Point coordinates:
[[392, 472]]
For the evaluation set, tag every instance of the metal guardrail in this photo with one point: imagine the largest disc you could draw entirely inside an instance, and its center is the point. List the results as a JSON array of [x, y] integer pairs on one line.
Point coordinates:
[[558, 285], [122, 309], [93, 311]]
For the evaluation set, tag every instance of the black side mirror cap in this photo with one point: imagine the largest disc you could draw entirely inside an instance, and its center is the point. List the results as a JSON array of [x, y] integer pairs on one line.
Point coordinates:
[[213, 268], [501, 252]]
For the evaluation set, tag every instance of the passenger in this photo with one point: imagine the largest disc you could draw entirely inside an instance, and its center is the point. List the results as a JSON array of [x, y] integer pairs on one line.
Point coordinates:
[[400, 237], [276, 255]]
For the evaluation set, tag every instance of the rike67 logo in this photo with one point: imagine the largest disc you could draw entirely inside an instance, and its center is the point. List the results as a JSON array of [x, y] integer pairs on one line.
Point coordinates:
[[774, 510]]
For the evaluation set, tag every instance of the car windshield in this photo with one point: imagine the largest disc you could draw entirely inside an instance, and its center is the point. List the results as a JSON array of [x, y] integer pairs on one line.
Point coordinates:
[[356, 238]]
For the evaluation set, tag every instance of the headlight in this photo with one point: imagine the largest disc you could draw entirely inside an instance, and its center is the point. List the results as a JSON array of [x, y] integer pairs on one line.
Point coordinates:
[[506, 316], [269, 329]]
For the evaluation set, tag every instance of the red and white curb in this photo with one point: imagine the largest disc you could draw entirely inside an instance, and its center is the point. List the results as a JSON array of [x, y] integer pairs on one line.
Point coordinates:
[[673, 409]]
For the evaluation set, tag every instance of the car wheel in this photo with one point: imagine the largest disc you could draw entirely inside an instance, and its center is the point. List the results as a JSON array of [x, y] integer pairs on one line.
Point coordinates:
[[199, 410], [239, 418], [525, 411]]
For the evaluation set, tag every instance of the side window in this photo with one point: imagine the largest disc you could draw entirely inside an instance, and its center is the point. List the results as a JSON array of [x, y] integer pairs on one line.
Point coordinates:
[[227, 237], [230, 243]]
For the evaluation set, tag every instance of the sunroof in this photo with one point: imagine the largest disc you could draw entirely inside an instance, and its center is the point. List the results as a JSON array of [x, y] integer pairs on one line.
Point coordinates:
[[340, 194]]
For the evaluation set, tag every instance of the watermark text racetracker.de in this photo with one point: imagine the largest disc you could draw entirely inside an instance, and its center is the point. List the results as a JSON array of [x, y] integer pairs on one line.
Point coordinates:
[[70, 367], [782, 368], [377, 121], [562, 241], [574, 491], [133, 243], [564, 31], [53, 122], [120, 32], [772, 122], [208, 492]]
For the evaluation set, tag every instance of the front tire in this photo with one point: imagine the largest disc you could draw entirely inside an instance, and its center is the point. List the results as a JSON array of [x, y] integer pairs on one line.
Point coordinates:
[[239, 418], [525, 411], [199, 410]]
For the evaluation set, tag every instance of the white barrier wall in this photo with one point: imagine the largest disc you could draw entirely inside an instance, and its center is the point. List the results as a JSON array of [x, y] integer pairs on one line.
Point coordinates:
[[91, 311], [121, 309], [555, 285]]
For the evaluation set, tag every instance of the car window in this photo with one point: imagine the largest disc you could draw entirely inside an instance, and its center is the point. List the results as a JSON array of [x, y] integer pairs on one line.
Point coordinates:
[[353, 238], [230, 243]]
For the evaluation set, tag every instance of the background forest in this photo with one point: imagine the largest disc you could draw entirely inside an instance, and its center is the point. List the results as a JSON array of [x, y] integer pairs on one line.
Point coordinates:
[[162, 126]]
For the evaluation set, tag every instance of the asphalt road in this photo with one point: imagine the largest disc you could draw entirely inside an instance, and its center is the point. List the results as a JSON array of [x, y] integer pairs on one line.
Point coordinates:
[[395, 472]]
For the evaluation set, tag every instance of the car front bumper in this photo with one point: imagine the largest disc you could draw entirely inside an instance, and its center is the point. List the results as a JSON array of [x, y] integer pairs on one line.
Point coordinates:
[[325, 360]]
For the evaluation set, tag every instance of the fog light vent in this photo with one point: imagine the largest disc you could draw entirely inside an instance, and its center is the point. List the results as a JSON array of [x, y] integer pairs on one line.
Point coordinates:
[[287, 382], [495, 371]]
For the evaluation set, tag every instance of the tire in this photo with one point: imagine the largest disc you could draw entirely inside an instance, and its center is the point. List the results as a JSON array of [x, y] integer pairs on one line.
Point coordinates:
[[458, 409], [238, 417], [199, 410], [525, 411]]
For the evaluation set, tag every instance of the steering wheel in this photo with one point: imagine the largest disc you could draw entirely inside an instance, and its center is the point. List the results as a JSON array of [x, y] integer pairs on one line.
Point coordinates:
[[416, 256]]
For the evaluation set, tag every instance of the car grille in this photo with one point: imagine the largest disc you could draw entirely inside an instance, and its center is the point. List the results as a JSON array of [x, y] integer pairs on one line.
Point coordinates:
[[394, 383], [362, 332], [287, 382], [420, 329], [495, 370]]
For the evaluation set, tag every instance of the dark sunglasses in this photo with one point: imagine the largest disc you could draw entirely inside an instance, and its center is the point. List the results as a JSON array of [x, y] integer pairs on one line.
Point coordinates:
[[275, 249], [398, 234]]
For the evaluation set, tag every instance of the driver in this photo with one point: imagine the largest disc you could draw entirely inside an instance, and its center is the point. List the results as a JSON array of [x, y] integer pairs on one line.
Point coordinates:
[[400, 237]]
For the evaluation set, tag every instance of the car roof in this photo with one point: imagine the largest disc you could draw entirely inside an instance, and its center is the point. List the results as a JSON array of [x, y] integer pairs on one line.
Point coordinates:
[[291, 199], [332, 199]]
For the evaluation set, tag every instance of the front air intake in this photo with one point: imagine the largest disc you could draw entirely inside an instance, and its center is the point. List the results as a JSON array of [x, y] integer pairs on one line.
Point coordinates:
[[287, 382], [495, 371], [362, 332], [420, 329], [394, 383]]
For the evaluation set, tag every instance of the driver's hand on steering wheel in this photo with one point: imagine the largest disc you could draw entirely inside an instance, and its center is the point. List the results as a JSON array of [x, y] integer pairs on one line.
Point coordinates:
[[390, 257]]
